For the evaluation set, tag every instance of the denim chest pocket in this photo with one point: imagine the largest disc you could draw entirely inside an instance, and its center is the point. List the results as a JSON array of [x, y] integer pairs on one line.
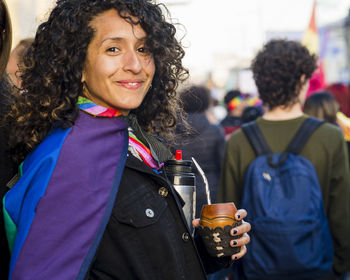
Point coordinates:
[[141, 208]]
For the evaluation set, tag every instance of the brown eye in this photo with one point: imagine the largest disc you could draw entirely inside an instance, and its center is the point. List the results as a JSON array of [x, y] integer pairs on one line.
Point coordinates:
[[143, 50], [113, 50]]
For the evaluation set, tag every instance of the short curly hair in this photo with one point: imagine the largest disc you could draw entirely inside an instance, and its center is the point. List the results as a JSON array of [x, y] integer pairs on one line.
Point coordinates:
[[54, 63], [277, 71]]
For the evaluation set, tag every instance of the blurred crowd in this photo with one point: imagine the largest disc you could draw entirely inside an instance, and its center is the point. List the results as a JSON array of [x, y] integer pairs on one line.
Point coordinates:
[[329, 104]]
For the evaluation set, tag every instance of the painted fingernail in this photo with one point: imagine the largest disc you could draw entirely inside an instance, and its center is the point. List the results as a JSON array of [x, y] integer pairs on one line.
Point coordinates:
[[236, 257], [238, 216], [234, 243], [234, 231]]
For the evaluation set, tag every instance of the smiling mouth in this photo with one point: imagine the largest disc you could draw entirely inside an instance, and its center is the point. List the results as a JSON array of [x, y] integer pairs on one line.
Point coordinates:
[[130, 85]]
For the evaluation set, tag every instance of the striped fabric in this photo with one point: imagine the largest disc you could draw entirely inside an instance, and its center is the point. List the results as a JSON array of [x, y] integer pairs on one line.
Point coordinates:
[[143, 151], [99, 111], [93, 109]]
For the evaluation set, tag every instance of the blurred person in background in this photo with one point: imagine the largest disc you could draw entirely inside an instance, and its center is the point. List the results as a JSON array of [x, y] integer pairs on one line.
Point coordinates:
[[6, 88], [235, 104], [342, 94], [251, 113], [7, 167], [204, 141], [281, 71], [324, 105], [16, 60]]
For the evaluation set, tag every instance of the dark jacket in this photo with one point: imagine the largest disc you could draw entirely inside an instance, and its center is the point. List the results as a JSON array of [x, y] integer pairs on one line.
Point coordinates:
[[144, 222], [230, 124], [231, 121], [105, 214], [206, 143]]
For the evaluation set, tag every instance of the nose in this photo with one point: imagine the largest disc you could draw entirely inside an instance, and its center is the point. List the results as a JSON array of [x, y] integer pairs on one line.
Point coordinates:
[[132, 62]]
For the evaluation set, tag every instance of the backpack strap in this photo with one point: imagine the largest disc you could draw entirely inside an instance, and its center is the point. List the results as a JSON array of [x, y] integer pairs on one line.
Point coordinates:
[[256, 138], [303, 134]]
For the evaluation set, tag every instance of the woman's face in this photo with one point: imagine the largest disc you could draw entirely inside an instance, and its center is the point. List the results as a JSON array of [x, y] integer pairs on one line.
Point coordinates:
[[118, 70]]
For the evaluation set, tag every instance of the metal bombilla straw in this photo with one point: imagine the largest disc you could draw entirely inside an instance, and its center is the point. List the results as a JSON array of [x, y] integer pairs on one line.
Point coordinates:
[[207, 191]]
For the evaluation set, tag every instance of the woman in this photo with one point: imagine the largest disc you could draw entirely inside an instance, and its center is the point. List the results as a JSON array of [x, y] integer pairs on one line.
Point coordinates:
[[94, 201]]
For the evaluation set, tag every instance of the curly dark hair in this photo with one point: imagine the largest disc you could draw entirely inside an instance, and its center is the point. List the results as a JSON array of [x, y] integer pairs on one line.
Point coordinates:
[[54, 63], [277, 71], [7, 90]]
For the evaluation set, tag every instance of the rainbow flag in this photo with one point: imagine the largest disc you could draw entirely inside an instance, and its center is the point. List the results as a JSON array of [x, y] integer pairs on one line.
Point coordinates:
[[310, 37]]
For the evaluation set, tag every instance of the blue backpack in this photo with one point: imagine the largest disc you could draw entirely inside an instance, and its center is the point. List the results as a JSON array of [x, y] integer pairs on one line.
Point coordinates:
[[290, 238]]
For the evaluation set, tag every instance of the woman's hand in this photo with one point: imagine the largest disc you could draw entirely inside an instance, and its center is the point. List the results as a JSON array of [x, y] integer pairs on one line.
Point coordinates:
[[243, 230]]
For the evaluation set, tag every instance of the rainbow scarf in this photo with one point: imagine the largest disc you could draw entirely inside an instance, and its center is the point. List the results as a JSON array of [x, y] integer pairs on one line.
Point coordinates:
[[99, 111], [96, 110]]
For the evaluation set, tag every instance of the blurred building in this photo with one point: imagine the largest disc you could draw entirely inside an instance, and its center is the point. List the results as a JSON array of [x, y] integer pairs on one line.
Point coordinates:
[[333, 48], [334, 52], [26, 15], [173, 2], [221, 37]]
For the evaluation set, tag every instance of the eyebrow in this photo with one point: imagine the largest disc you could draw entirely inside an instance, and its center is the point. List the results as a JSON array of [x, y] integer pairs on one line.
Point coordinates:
[[120, 39]]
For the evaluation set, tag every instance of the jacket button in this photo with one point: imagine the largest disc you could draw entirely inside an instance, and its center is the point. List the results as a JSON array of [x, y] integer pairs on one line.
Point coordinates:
[[163, 191], [185, 236], [149, 213]]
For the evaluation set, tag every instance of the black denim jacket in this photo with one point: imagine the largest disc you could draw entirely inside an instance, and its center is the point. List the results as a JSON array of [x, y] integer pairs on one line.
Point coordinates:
[[147, 236]]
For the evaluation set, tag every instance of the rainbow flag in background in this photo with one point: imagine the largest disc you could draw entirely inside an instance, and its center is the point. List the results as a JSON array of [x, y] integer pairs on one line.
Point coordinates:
[[310, 37], [311, 41]]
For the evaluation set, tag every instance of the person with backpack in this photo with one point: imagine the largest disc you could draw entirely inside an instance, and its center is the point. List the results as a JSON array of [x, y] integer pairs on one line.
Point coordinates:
[[291, 173]]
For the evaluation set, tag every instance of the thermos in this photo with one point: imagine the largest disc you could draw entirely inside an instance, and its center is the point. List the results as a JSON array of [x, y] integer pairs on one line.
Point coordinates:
[[180, 174]]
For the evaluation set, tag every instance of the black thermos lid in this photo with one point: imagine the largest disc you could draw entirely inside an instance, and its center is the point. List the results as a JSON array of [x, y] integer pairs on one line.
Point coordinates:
[[179, 172]]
